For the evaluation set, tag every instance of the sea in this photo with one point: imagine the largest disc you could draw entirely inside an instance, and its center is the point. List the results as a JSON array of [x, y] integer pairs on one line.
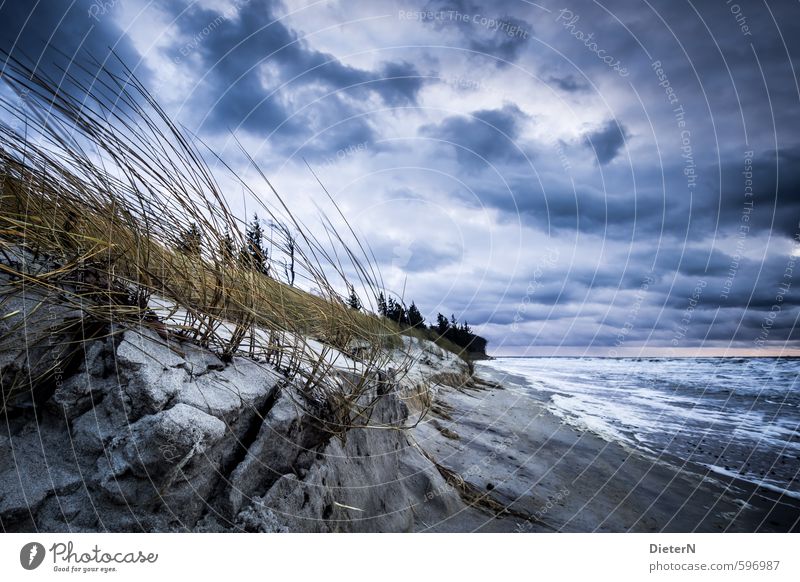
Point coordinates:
[[736, 417]]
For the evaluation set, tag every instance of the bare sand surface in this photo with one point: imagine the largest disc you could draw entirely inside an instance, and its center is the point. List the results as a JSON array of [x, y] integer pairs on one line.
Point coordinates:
[[503, 442]]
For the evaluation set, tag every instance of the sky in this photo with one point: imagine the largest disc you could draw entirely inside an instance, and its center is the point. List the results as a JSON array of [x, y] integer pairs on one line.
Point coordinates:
[[601, 178]]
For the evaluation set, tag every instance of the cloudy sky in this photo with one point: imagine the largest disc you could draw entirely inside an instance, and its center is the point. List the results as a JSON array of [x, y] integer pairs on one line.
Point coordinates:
[[606, 178]]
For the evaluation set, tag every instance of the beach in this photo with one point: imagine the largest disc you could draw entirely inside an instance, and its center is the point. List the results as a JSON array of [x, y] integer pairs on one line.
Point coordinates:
[[148, 436], [509, 445]]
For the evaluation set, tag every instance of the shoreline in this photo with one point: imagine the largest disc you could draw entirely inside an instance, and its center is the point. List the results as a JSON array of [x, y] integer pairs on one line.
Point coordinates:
[[522, 455], [167, 449]]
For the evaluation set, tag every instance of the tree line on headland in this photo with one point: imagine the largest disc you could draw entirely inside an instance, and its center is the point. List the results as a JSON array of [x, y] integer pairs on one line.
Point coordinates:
[[460, 334]]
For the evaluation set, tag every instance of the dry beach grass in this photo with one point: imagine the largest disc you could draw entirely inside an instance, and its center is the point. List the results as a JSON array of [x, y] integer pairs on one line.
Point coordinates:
[[100, 187]]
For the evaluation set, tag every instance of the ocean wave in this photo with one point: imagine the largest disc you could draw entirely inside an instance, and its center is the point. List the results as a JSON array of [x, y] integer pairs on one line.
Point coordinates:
[[743, 411]]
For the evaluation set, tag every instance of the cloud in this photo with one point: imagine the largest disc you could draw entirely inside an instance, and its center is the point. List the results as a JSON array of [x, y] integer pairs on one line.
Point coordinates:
[[505, 44], [315, 79], [424, 257], [261, 76], [568, 83], [66, 40], [775, 201], [489, 30], [607, 141], [401, 83], [490, 134], [702, 263]]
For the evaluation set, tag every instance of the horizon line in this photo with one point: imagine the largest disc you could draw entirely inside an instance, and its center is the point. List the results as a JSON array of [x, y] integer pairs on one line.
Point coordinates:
[[687, 353]]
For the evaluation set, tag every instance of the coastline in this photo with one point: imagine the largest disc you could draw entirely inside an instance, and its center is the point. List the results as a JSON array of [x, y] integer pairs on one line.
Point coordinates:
[[523, 456], [155, 436]]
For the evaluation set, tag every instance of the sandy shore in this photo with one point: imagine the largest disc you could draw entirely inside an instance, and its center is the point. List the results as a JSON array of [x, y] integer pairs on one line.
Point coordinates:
[[503, 442]]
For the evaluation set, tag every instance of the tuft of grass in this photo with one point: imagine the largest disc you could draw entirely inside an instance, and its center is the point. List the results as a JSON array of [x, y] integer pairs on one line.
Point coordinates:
[[446, 432], [459, 381], [96, 193], [442, 409], [419, 397]]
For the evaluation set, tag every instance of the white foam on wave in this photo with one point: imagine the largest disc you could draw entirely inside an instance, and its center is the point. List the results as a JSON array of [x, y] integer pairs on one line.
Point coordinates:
[[754, 480], [573, 411], [647, 404]]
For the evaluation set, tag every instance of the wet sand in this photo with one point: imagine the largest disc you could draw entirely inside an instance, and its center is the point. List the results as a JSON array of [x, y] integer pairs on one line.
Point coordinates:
[[504, 442]]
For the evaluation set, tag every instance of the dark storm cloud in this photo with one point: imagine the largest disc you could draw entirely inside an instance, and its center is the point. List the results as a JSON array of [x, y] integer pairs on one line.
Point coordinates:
[[720, 79], [339, 132], [754, 325], [549, 202], [400, 83], [77, 37], [735, 328], [522, 302], [504, 46], [584, 209], [756, 283], [626, 189], [628, 209], [488, 133], [568, 83], [717, 91], [624, 276], [694, 307], [487, 29], [696, 264], [771, 184], [252, 65], [607, 141]]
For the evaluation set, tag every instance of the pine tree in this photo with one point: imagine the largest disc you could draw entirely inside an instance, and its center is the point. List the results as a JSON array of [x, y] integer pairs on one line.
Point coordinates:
[[460, 334], [382, 307], [397, 312], [190, 241], [226, 247], [353, 302], [442, 325], [254, 251], [415, 318]]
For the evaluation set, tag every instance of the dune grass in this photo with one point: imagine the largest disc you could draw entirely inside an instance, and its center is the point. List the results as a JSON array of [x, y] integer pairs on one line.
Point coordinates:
[[99, 186]]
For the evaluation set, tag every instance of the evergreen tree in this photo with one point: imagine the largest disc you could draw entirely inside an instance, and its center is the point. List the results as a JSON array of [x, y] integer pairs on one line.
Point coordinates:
[[353, 302], [460, 334], [442, 324], [190, 241], [226, 247], [383, 309], [397, 312], [254, 251], [415, 318]]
